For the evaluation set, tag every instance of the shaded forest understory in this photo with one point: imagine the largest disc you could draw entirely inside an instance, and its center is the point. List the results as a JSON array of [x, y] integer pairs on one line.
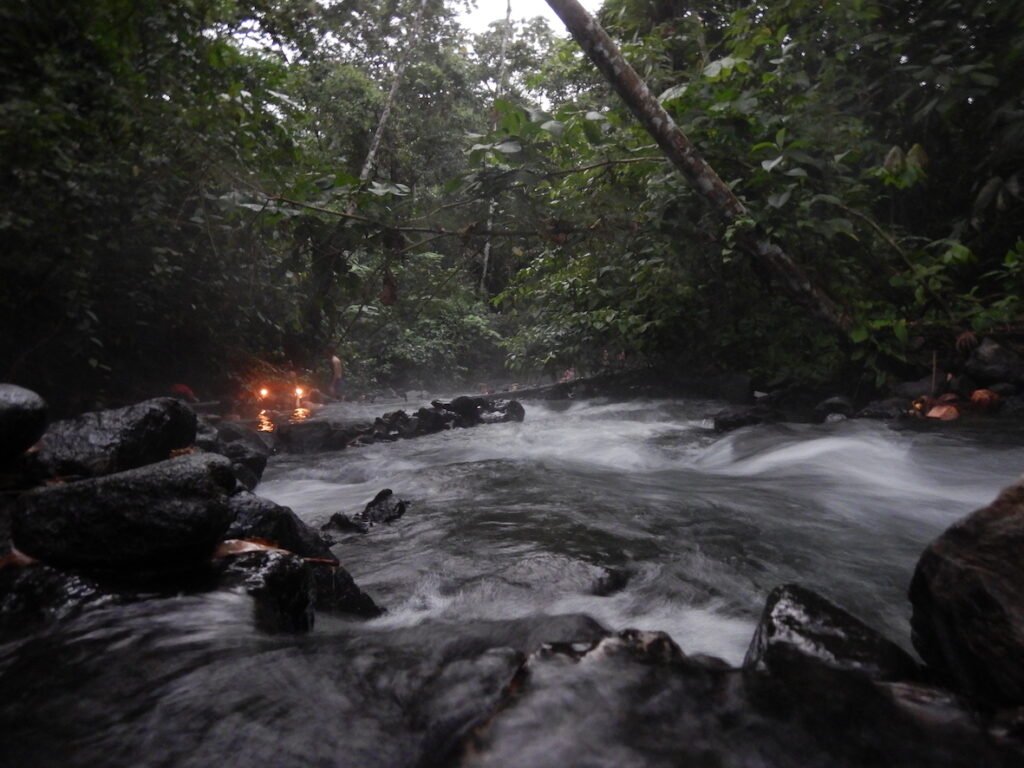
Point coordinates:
[[214, 191]]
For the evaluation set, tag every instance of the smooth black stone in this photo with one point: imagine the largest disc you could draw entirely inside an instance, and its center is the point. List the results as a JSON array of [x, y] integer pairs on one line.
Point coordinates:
[[258, 518], [104, 442], [991, 362], [163, 515], [337, 592], [23, 416], [798, 625]]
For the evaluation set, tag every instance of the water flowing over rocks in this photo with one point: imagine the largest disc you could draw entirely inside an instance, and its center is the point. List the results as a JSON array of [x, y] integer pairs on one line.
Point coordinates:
[[636, 699], [23, 416], [34, 595], [968, 598], [163, 515], [104, 442], [281, 586]]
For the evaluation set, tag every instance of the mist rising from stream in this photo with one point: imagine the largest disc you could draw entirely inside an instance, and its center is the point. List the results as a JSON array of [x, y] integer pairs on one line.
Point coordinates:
[[517, 519], [509, 521]]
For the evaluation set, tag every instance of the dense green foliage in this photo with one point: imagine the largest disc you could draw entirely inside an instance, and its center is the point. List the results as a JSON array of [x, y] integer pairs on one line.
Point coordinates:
[[181, 201]]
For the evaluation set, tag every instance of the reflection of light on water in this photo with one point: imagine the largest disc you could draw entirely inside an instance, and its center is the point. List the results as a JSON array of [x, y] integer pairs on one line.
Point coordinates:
[[300, 414], [265, 424]]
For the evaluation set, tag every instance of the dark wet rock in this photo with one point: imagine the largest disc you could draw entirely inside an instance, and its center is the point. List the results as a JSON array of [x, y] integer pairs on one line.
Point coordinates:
[[1005, 389], [1013, 406], [104, 442], [892, 408], [248, 452], [385, 508], [503, 411], [798, 625], [281, 585], [831, 406], [468, 409], [636, 699], [337, 592], [734, 418], [991, 362], [962, 386], [186, 696], [345, 524], [317, 435], [611, 581], [911, 390], [163, 515], [259, 518], [35, 595], [23, 416], [433, 419], [968, 618]]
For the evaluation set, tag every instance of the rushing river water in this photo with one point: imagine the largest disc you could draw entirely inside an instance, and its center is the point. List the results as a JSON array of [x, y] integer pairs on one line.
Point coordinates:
[[509, 521]]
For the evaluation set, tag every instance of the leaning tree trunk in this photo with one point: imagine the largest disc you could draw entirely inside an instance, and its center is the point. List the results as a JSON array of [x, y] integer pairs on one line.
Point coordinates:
[[681, 152]]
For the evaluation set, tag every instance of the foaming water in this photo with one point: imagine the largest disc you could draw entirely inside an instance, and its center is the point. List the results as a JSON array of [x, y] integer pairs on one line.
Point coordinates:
[[510, 528], [522, 519]]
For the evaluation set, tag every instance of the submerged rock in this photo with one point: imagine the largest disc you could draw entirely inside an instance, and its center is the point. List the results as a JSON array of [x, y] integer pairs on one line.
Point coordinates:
[[838, 405], [22, 421], [164, 515], [258, 518], [612, 580], [104, 442], [892, 408], [968, 619], [799, 625]]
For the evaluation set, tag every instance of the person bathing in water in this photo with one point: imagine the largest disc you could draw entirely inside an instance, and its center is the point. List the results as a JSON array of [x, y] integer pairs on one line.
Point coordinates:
[[337, 372]]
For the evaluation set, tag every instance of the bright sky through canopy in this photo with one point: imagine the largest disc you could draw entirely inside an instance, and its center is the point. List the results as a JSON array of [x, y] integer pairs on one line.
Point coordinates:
[[494, 10]]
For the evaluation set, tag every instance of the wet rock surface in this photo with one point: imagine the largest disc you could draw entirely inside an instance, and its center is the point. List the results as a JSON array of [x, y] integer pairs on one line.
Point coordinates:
[[968, 619], [104, 442], [32, 596], [384, 508], [163, 515], [991, 363], [23, 416], [280, 584], [258, 518], [799, 625], [337, 592], [248, 452], [636, 699]]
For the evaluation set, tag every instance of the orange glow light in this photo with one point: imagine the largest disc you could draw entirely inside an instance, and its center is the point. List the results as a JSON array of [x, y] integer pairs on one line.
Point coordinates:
[[264, 392], [298, 392]]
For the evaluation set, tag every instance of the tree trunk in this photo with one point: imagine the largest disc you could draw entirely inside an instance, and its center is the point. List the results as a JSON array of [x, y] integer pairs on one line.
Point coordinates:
[[596, 43]]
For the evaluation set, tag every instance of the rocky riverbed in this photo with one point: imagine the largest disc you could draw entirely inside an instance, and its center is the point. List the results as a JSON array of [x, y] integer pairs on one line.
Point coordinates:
[[239, 636]]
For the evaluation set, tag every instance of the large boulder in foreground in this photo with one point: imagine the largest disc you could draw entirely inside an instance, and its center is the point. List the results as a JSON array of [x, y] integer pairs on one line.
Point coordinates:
[[22, 421], [104, 442], [799, 625], [165, 515], [968, 598]]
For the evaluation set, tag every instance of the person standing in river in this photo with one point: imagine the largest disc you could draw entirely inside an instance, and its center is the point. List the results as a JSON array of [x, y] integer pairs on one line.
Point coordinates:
[[337, 372]]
